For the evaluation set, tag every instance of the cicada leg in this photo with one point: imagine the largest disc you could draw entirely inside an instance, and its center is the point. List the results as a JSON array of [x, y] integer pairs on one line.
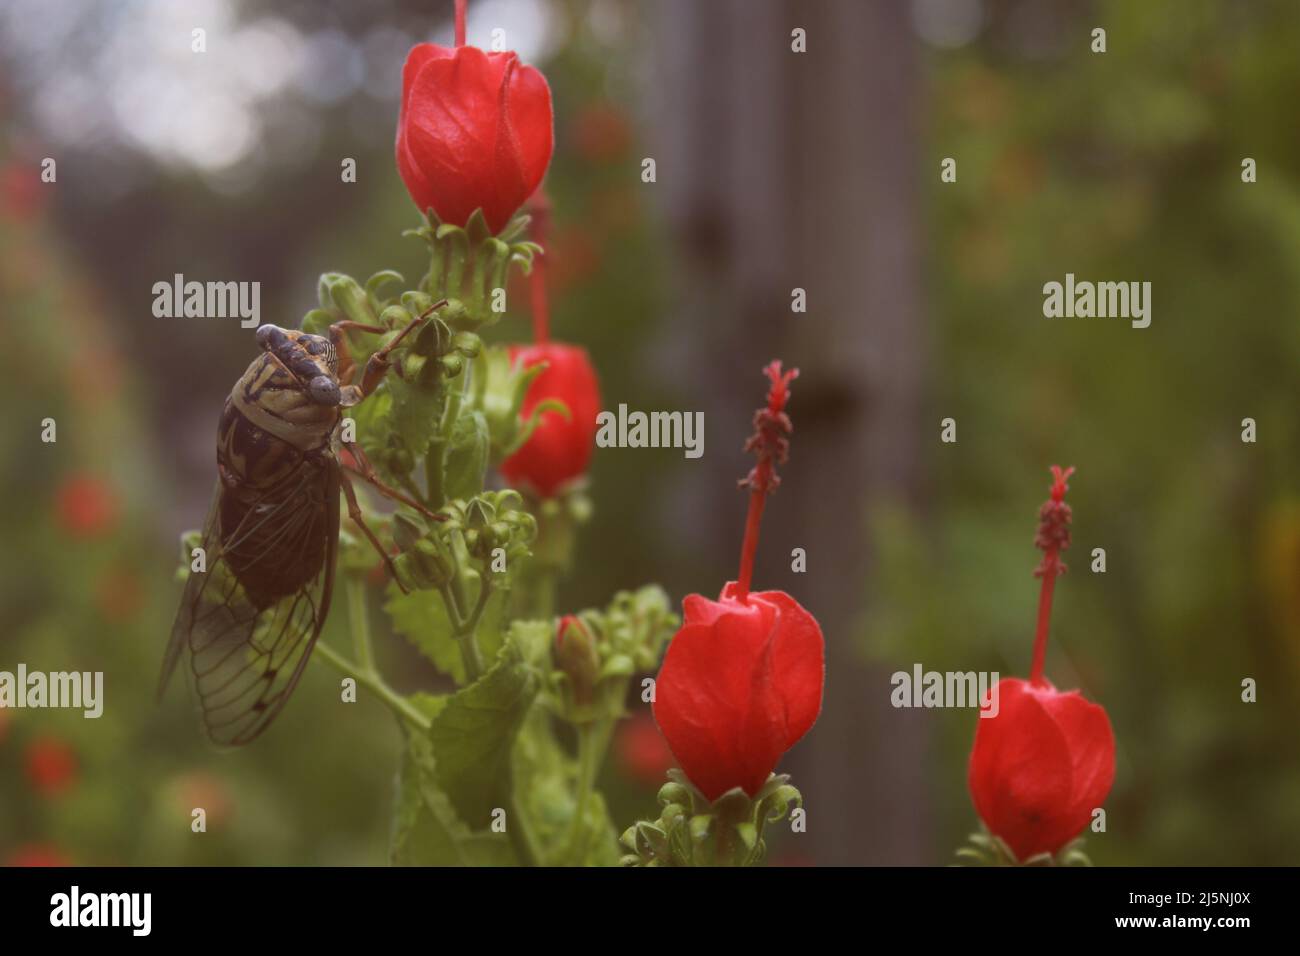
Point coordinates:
[[358, 518], [378, 365], [365, 470]]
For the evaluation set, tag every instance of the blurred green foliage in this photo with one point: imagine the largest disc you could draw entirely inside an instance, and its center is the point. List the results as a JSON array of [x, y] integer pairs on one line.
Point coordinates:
[[1120, 166]]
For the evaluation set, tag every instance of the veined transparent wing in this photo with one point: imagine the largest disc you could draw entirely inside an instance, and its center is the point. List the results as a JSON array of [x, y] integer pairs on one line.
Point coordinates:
[[247, 647]]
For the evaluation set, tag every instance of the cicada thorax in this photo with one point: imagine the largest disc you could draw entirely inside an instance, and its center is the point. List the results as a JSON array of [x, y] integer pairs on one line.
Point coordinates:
[[274, 448]]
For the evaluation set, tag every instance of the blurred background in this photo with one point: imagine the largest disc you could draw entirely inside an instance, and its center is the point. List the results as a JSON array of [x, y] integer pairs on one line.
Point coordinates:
[[775, 170]]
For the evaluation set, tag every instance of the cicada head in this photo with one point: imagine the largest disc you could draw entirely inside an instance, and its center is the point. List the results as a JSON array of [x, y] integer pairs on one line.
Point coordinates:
[[310, 359]]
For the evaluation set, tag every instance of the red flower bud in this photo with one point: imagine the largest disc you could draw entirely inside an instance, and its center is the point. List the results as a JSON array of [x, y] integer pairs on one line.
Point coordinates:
[[559, 450], [51, 766], [576, 655], [1047, 760], [740, 684], [474, 132], [1041, 766], [742, 679]]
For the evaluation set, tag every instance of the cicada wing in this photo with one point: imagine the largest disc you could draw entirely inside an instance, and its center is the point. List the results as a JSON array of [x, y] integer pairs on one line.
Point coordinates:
[[247, 659], [190, 597]]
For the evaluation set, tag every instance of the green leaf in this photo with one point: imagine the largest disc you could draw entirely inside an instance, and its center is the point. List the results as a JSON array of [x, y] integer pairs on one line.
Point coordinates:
[[421, 618], [416, 411], [533, 639], [426, 829], [474, 735]]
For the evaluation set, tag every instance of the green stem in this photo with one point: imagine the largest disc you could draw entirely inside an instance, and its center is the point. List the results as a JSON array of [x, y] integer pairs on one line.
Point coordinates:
[[466, 634], [587, 762], [455, 399], [359, 621], [375, 684], [411, 488], [522, 836]]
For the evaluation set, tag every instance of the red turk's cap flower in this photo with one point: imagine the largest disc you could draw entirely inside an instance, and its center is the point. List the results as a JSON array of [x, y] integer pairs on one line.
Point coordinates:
[[474, 132], [51, 766], [1041, 766], [560, 449], [742, 680]]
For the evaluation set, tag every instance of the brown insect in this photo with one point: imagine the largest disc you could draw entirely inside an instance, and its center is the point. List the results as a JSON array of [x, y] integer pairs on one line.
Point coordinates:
[[251, 619]]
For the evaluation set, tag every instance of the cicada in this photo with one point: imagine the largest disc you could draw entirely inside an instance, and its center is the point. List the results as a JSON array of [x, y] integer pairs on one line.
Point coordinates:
[[249, 621]]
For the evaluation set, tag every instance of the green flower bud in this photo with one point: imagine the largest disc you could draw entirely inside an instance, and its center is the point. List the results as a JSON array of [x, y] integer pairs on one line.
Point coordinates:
[[348, 296], [467, 344], [577, 657]]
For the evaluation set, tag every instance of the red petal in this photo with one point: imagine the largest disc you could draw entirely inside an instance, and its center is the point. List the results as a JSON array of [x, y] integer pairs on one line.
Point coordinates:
[[741, 683], [1040, 767], [533, 119], [1092, 751], [560, 449], [474, 132]]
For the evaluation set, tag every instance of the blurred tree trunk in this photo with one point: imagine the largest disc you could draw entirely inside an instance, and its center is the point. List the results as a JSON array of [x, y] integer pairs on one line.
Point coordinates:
[[779, 170]]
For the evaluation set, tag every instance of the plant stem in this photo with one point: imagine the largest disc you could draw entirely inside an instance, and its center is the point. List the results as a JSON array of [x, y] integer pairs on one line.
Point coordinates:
[[359, 621], [412, 489], [375, 684], [465, 628], [539, 229], [588, 762]]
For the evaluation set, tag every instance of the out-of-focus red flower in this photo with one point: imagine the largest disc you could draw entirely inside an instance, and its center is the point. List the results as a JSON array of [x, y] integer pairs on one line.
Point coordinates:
[[86, 506], [119, 594], [742, 680], [560, 449], [200, 789], [601, 133], [475, 131], [38, 854], [1041, 766], [21, 195], [51, 766], [573, 256], [1046, 760], [642, 752]]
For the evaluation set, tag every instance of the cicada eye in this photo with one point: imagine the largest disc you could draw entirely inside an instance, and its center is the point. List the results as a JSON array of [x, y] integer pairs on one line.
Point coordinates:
[[324, 390], [269, 336]]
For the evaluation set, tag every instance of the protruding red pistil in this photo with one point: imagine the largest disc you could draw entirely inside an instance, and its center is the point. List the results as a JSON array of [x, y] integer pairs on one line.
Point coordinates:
[[460, 21], [1052, 538], [771, 444]]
